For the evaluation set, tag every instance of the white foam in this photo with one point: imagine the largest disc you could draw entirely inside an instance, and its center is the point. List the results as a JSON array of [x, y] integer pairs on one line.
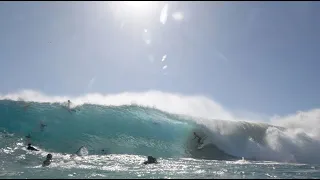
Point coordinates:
[[196, 105]]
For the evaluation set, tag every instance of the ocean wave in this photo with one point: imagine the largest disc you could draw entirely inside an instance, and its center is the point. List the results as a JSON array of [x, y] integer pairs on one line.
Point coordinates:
[[153, 123]]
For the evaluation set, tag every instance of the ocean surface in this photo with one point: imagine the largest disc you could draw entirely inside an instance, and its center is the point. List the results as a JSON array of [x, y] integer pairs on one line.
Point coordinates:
[[130, 133]]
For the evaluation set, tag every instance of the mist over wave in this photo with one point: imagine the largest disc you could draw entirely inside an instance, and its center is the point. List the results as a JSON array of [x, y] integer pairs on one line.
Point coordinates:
[[296, 140], [198, 106]]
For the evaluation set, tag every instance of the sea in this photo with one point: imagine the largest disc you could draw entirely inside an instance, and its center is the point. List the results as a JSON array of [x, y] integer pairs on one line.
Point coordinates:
[[118, 138]]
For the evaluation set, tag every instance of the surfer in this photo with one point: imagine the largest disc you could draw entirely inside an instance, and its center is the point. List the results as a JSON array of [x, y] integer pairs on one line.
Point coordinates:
[[103, 151], [42, 126], [31, 148], [151, 160], [69, 103], [69, 107], [199, 138], [47, 162]]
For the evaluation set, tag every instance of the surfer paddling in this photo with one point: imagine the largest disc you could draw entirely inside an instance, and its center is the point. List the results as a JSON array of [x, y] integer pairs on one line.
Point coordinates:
[[31, 148], [48, 160]]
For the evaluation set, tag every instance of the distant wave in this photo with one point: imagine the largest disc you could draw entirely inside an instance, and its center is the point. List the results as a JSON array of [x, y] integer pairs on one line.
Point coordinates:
[[153, 123]]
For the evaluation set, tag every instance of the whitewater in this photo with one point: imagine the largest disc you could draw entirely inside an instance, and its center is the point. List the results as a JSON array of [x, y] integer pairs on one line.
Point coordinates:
[[120, 130]]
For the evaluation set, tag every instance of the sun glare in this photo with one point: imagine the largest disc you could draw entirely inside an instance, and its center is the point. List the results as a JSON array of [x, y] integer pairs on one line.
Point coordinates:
[[132, 9]]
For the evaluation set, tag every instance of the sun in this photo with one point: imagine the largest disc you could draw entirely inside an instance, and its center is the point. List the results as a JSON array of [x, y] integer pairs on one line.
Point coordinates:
[[137, 11]]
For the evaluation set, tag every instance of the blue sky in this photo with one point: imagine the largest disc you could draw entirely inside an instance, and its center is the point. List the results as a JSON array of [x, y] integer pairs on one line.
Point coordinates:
[[256, 56]]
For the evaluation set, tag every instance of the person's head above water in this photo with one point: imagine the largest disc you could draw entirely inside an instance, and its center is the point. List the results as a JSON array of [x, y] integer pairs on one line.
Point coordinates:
[[151, 159], [29, 144], [49, 156]]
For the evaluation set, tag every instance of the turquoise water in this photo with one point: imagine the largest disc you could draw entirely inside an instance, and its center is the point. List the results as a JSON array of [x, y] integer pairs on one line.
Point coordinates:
[[130, 133]]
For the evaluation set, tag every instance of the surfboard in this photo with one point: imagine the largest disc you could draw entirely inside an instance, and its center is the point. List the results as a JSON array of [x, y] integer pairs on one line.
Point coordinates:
[[201, 146], [83, 151], [71, 110], [204, 143]]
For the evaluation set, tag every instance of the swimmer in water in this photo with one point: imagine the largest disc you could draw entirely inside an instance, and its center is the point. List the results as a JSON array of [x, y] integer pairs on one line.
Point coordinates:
[[104, 151], [31, 148], [151, 160], [47, 162]]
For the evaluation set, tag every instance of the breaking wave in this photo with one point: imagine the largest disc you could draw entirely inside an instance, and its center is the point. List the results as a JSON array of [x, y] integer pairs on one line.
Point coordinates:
[[157, 124]]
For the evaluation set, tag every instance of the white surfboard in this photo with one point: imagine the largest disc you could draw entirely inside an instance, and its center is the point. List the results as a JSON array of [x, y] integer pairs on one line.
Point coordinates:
[[204, 143], [201, 146], [83, 151]]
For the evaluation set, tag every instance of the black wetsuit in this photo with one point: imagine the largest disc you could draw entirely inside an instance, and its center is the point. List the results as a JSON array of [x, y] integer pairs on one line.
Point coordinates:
[[199, 138], [32, 148], [46, 162], [151, 160]]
